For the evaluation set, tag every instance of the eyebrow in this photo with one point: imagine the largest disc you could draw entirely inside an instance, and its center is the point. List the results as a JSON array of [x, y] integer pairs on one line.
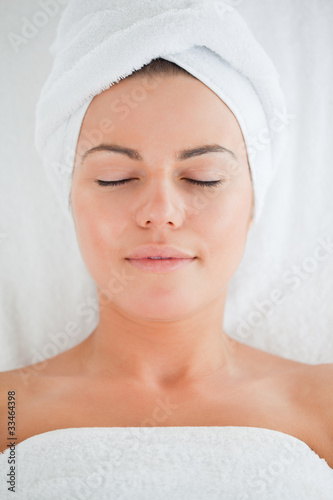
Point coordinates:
[[184, 154]]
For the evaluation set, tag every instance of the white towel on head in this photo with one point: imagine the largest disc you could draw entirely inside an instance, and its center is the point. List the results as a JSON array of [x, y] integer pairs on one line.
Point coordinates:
[[99, 43]]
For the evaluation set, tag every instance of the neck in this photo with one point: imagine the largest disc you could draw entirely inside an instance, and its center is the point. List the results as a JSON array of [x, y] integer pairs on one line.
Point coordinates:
[[160, 353]]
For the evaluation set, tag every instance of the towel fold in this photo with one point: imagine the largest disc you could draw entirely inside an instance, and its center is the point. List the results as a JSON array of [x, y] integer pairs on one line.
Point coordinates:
[[98, 43]]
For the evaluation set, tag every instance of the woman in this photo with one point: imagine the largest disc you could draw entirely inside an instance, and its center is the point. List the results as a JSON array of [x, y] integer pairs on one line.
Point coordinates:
[[159, 356]]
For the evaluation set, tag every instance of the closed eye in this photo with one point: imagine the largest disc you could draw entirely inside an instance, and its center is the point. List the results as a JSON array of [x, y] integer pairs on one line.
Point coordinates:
[[193, 181]]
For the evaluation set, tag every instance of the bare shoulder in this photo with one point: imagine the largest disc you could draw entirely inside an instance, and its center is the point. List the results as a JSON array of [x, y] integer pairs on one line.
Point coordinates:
[[16, 380], [320, 378], [9, 381], [314, 388], [315, 395], [18, 388]]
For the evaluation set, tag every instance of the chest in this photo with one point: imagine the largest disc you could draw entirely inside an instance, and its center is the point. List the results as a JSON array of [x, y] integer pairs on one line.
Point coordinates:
[[120, 406]]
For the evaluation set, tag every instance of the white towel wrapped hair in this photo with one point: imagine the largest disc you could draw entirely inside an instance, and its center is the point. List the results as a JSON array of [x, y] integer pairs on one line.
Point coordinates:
[[98, 43]]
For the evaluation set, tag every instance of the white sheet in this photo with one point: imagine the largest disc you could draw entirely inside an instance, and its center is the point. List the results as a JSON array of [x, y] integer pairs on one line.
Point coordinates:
[[47, 296]]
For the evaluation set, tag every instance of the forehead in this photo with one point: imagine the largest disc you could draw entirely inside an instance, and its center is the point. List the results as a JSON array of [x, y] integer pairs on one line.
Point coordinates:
[[176, 104], [160, 119]]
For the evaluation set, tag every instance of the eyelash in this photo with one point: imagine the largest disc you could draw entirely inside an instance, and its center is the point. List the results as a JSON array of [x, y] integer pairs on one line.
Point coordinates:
[[192, 181]]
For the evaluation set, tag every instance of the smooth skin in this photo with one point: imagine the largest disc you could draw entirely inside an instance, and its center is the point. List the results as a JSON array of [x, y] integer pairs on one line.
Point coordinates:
[[159, 355]]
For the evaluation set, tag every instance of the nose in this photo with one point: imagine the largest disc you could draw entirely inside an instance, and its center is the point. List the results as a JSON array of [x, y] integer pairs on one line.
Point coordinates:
[[160, 204]]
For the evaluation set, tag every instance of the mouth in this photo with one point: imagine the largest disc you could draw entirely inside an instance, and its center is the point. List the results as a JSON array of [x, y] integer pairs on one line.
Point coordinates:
[[161, 264]]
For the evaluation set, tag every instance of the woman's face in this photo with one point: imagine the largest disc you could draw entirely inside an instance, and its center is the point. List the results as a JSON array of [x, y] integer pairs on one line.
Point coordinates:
[[160, 206]]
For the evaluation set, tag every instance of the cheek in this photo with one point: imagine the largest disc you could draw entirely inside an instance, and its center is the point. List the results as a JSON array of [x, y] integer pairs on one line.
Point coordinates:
[[223, 226], [97, 232], [97, 239]]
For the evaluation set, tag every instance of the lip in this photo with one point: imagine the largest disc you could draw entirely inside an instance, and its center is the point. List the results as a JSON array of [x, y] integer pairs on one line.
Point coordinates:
[[159, 251], [161, 266]]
